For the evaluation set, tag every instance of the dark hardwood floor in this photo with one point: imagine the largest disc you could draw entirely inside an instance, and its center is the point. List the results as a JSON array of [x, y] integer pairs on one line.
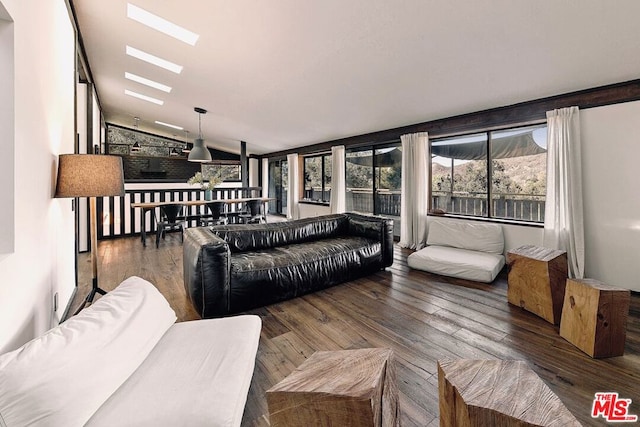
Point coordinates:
[[422, 317]]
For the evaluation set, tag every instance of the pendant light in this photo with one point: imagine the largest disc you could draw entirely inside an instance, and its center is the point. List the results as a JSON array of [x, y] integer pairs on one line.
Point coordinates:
[[136, 145], [199, 152]]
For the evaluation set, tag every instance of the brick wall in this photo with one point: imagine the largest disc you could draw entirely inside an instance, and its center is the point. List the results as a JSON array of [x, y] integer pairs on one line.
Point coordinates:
[[174, 169]]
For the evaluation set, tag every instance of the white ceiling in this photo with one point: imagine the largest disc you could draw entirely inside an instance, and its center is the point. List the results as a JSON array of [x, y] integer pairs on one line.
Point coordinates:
[[281, 74]]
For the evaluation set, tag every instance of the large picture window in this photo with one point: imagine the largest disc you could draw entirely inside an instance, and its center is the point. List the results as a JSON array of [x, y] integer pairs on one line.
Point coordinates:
[[374, 179], [317, 178], [499, 174]]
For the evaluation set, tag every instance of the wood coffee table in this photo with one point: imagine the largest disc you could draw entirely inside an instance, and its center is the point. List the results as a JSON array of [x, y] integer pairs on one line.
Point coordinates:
[[497, 393], [537, 279], [349, 388]]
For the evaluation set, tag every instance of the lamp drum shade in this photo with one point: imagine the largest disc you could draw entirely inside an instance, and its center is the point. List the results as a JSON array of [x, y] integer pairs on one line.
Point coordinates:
[[89, 175]]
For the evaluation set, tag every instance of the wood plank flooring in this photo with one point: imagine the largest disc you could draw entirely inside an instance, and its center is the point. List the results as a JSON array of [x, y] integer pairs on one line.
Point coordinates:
[[422, 317]]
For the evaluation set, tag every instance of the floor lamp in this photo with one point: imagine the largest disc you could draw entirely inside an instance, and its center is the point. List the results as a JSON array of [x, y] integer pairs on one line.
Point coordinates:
[[90, 175]]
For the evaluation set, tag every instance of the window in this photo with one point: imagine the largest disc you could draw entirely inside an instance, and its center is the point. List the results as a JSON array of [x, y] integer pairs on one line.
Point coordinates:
[[317, 178], [499, 174], [278, 184], [226, 171], [374, 179]]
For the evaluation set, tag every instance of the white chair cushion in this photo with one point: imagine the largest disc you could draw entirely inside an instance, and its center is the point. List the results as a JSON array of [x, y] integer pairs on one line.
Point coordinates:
[[461, 263], [198, 375], [62, 377], [473, 236]]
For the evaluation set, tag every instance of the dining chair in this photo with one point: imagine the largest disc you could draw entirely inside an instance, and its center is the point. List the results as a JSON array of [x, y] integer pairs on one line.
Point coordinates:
[[170, 220], [217, 214], [253, 212]]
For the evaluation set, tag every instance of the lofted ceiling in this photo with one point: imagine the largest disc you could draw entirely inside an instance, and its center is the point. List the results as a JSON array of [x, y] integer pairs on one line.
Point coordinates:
[[282, 74]]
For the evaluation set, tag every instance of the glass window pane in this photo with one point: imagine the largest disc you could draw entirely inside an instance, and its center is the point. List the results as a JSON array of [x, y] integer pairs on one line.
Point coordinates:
[[313, 178], [519, 173], [359, 180], [388, 180], [285, 185], [275, 187], [459, 175]]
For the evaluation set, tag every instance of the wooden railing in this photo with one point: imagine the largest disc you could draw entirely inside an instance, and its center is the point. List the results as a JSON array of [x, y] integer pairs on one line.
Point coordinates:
[[387, 201], [522, 207], [116, 216]]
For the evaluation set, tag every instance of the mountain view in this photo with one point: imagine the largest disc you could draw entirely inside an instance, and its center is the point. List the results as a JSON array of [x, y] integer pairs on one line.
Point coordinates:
[[516, 175]]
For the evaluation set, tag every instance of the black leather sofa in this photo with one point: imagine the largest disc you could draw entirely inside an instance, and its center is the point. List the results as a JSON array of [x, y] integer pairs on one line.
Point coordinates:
[[233, 268]]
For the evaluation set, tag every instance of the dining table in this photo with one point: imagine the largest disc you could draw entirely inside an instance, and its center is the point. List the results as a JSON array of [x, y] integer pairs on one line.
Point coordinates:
[[151, 206]]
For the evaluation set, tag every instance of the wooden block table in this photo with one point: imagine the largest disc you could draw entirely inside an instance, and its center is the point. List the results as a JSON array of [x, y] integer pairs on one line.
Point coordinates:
[[349, 388], [594, 317], [497, 393], [536, 280]]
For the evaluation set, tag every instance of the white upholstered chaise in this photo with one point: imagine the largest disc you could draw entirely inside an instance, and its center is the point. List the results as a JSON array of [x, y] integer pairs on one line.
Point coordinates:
[[466, 250], [124, 362]]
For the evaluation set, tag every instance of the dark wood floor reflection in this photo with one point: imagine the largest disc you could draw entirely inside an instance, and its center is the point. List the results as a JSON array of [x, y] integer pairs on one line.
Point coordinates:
[[422, 317]]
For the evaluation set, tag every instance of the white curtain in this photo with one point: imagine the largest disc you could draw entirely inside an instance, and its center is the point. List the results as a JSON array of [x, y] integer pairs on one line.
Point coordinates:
[[563, 215], [265, 182], [293, 190], [413, 209], [338, 202]]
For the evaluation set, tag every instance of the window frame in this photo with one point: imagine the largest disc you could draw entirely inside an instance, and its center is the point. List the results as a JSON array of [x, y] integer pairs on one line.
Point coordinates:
[[489, 135], [323, 171], [376, 208]]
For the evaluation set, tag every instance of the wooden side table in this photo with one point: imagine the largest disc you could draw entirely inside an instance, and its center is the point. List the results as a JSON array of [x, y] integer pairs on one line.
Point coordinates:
[[497, 393], [349, 388], [536, 280], [594, 317]]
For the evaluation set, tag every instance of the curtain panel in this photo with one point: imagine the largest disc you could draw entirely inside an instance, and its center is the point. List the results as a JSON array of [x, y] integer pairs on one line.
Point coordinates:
[[338, 201], [564, 222], [415, 184], [293, 191], [265, 182]]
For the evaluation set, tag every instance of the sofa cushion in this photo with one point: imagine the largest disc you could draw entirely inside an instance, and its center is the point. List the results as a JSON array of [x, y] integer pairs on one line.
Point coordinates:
[[288, 271], [467, 235], [251, 237], [198, 375], [454, 262], [62, 377]]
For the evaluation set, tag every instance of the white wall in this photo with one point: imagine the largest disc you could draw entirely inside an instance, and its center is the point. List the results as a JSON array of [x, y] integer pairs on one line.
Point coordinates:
[[308, 210], [611, 176], [43, 260], [254, 172]]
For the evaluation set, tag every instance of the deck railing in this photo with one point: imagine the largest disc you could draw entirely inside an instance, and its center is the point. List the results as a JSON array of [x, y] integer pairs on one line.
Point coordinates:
[[522, 207]]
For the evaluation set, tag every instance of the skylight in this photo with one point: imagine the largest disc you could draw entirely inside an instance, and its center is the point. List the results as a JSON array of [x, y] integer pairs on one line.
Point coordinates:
[[161, 24], [147, 82], [169, 125], [143, 97], [147, 57]]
